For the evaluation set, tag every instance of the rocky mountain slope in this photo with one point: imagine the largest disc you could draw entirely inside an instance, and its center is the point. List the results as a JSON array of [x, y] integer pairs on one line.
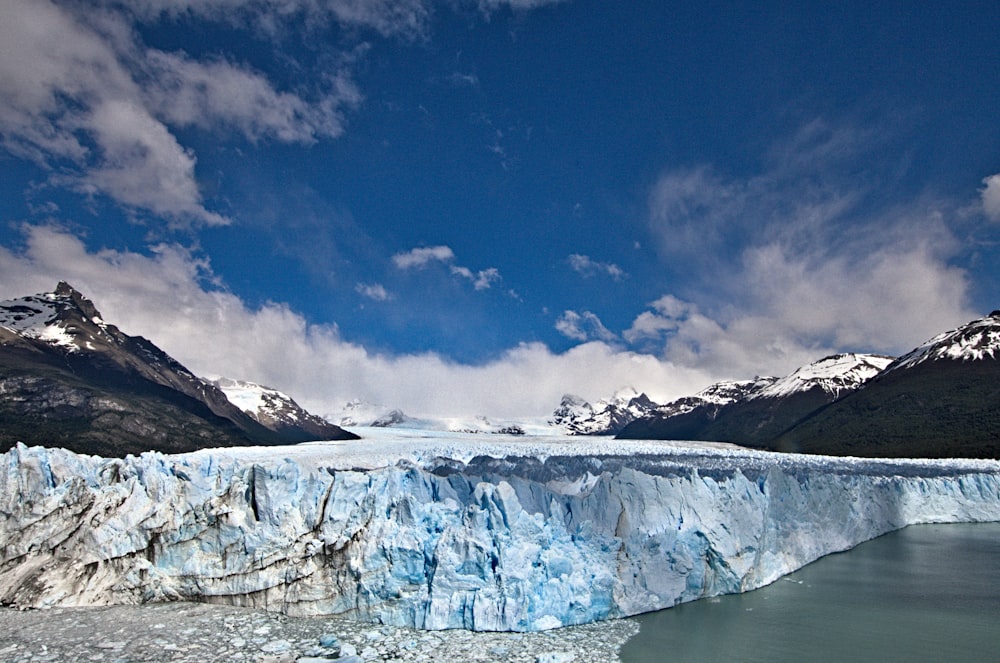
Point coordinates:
[[69, 379]]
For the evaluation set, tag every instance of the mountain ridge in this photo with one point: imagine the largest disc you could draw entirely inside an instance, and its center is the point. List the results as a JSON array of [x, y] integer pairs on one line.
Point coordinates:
[[942, 399]]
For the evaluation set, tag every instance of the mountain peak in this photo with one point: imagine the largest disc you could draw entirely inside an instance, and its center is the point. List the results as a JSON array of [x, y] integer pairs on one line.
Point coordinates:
[[973, 341], [834, 374]]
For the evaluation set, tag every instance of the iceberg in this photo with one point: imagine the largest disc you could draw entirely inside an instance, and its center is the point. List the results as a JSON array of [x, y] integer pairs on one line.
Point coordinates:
[[451, 531]]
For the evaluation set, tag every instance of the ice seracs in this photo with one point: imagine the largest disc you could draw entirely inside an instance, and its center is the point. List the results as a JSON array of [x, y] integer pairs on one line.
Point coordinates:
[[500, 535]]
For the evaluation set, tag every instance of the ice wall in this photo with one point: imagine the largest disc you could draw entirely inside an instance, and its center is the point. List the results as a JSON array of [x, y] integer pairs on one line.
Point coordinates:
[[515, 543]]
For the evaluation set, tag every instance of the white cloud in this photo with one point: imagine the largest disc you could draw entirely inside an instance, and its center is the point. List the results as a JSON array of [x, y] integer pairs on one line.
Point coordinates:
[[204, 94], [422, 257], [172, 298], [791, 262], [991, 197], [481, 280], [407, 18], [142, 165], [584, 327], [665, 317], [797, 308], [373, 291], [389, 17], [81, 96], [587, 267], [488, 6]]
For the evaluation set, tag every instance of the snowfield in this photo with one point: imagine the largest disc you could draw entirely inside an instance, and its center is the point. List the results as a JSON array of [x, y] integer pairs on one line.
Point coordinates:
[[446, 530]]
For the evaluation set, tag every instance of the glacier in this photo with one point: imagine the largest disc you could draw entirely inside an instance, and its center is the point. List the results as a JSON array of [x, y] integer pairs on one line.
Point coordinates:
[[445, 531]]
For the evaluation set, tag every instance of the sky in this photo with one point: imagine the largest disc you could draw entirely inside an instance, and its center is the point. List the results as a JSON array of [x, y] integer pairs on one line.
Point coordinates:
[[461, 207]]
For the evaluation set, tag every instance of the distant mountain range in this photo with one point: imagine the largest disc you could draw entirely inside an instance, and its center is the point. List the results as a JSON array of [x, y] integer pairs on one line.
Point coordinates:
[[940, 400], [70, 379]]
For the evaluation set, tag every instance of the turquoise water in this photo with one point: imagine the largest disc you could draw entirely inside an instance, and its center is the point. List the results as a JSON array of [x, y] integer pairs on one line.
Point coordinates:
[[925, 593]]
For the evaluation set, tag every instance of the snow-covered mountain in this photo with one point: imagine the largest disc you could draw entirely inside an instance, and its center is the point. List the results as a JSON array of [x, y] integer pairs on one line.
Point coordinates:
[[276, 410], [360, 413], [732, 391], [975, 341], [576, 416], [714, 397], [71, 379], [835, 375]]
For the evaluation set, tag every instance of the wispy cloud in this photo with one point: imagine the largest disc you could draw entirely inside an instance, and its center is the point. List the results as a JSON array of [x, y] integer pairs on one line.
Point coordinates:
[[493, 5], [991, 197], [373, 291], [807, 259], [402, 18], [421, 257], [481, 280], [218, 93], [587, 267], [584, 327]]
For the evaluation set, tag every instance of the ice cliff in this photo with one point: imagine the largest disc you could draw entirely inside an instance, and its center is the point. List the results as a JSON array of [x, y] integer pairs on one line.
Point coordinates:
[[526, 538]]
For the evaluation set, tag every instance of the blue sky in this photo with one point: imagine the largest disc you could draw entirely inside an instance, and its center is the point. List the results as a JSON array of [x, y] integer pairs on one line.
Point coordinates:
[[466, 206]]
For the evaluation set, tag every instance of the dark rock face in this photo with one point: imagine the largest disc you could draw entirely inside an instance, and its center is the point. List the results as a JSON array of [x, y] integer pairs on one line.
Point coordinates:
[[69, 379]]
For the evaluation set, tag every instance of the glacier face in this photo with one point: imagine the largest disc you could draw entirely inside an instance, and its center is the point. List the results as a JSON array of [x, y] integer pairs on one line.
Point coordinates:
[[525, 538]]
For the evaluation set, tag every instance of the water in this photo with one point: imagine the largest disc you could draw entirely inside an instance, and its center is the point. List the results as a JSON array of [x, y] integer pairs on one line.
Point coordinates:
[[925, 593]]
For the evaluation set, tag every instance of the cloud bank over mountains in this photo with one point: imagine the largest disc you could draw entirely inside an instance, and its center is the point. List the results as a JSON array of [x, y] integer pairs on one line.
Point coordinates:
[[172, 297]]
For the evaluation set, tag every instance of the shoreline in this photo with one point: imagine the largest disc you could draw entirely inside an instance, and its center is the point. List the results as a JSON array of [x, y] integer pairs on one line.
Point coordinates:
[[186, 632]]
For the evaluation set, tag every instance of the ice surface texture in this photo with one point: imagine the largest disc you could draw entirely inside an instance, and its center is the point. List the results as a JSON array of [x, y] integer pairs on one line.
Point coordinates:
[[510, 542]]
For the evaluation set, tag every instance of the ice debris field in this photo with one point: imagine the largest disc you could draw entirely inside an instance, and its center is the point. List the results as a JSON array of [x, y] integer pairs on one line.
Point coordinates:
[[438, 530]]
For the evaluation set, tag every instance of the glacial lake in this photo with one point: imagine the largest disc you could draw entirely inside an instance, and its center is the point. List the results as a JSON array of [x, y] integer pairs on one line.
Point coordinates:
[[924, 593]]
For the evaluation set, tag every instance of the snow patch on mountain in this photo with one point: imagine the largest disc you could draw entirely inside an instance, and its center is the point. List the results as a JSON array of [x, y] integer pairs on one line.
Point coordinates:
[[260, 402], [836, 375], [975, 341], [715, 396]]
